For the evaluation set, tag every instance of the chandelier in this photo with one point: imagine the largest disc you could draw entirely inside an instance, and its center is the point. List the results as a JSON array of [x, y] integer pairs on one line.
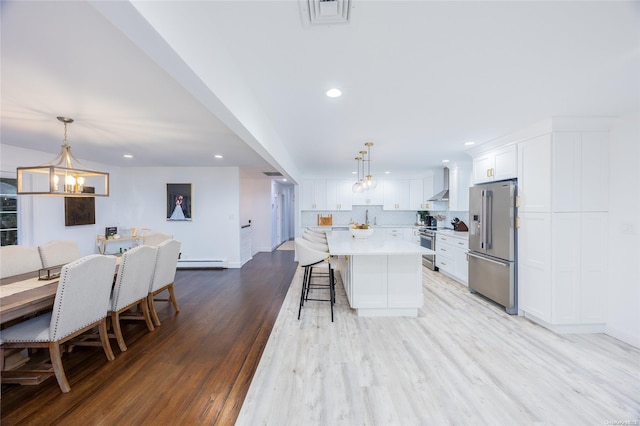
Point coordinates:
[[366, 182], [60, 177]]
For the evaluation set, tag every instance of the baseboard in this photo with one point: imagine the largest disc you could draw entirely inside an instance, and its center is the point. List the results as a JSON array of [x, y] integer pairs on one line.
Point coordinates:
[[202, 264], [568, 328]]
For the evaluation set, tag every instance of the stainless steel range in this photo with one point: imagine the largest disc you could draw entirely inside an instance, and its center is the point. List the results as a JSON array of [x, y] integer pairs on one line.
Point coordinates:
[[428, 240]]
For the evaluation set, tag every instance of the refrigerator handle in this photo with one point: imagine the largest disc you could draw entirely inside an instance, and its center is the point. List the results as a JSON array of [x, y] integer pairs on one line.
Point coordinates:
[[488, 221], [505, 264], [482, 219]]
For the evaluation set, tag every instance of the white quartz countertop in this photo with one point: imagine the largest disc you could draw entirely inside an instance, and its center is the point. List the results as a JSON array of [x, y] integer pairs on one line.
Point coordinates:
[[379, 243], [453, 233]]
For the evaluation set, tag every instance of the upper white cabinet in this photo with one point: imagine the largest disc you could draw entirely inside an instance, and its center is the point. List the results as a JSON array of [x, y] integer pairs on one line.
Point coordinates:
[[459, 182], [314, 195], [580, 171], [534, 174], [417, 201], [497, 164], [396, 195], [339, 195]]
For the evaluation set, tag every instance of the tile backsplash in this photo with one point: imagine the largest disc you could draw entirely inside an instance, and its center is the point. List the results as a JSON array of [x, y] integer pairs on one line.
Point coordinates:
[[377, 216]]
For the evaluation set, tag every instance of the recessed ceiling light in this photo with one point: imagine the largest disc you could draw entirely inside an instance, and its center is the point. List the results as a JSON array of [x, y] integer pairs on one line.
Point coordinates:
[[218, 156], [284, 180], [128, 156], [334, 93], [445, 161], [387, 172], [469, 143]]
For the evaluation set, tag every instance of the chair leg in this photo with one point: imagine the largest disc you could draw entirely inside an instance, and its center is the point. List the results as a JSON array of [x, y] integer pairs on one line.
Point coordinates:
[[104, 338], [172, 296], [302, 292], [58, 369], [310, 274], [332, 294], [144, 307], [115, 323], [152, 308]]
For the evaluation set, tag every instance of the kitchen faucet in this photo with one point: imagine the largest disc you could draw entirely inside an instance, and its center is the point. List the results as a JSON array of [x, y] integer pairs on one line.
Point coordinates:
[[366, 217]]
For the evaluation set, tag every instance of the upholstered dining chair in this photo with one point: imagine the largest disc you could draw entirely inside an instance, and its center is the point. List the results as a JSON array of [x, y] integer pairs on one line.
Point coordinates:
[[132, 288], [16, 260], [155, 238], [310, 258], [164, 276], [81, 303], [58, 252]]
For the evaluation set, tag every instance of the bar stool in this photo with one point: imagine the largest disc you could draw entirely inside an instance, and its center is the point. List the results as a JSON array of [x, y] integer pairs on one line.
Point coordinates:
[[311, 258], [316, 238]]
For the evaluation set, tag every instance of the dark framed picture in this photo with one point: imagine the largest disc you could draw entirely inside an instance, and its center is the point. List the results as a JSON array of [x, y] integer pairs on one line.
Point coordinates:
[[179, 201], [79, 211]]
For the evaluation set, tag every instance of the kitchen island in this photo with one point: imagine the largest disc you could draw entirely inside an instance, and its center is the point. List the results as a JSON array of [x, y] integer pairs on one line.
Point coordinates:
[[382, 275]]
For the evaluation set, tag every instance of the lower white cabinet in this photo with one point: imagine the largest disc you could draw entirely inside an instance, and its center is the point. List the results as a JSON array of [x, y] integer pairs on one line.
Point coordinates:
[[561, 272], [451, 256]]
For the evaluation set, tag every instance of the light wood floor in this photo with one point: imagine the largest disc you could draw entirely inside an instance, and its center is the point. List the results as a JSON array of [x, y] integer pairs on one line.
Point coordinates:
[[463, 361]]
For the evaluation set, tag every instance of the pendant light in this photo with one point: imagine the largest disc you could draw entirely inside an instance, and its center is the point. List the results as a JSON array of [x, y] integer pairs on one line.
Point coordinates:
[[369, 182], [357, 187], [60, 177]]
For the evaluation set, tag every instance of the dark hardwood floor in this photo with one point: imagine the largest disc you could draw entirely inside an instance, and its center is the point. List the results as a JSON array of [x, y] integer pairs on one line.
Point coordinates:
[[195, 368]]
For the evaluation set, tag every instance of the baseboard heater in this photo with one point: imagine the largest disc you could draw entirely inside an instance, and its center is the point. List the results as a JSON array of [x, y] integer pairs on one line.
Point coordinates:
[[202, 263]]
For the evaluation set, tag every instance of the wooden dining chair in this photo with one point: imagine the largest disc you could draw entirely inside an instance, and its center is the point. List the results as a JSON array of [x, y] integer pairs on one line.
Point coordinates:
[[164, 276], [81, 303], [132, 288], [16, 260], [58, 252]]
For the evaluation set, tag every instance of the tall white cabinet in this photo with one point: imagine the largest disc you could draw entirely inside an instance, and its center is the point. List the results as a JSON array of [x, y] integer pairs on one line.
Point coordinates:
[[562, 187]]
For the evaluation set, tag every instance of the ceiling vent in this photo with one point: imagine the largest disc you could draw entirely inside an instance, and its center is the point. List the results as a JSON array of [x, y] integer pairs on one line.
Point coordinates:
[[325, 12], [271, 174]]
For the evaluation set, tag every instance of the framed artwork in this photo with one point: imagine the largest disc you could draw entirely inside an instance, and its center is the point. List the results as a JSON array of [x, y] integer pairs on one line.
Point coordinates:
[[79, 211], [179, 201]]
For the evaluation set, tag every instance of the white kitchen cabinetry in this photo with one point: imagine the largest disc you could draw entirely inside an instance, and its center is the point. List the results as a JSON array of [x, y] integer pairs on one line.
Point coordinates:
[[534, 174], [396, 233], [314, 195], [562, 186], [339, 195], [561, 273], [451, 256], [396, 195], [497, 164], [580, 171], [417, 201], [534, 265], [372, 197], [459, 182]]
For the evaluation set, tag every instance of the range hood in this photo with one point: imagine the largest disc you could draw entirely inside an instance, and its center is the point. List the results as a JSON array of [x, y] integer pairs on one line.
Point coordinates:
[[444, 194]]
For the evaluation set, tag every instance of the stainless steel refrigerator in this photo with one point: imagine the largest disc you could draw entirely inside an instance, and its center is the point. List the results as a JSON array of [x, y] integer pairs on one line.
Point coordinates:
[[492, 243]]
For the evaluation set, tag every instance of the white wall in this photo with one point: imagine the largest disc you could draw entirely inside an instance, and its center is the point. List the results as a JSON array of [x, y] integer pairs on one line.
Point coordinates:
[[623, 319], [214, 230], [138, 199]]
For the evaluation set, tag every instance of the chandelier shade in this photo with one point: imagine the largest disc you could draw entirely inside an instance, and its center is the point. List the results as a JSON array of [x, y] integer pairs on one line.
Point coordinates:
[[59, 177]]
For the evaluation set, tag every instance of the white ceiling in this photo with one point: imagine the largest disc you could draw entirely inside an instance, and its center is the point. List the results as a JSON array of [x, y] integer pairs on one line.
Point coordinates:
[[175, 82]]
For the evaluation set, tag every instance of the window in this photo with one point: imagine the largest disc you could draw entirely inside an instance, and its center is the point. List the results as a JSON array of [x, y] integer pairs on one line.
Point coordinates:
[[9, 212]]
